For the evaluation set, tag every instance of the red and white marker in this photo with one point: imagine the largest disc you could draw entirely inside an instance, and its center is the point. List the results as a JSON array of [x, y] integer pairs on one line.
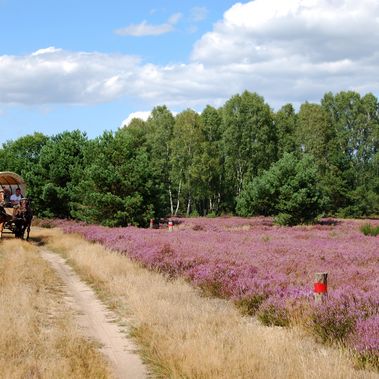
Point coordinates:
[[170, 226], [320, 289], [151, 223]]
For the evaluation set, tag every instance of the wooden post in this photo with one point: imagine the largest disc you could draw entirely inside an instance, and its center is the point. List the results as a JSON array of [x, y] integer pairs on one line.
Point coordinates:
[[151, 223], [170, 226], [320, 290]]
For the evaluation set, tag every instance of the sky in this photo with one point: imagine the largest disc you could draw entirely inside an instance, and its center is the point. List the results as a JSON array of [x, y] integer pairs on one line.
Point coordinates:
[[93, 65]]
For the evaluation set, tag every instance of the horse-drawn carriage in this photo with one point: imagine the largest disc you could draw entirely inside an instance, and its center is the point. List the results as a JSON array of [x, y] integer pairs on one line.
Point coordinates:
[[15, 212]]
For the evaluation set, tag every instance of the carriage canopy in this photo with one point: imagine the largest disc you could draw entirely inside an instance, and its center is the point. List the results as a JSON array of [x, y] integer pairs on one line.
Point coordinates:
[[12, 181]]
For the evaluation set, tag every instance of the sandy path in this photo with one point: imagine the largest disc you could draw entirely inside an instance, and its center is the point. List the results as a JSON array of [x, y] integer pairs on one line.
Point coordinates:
[[98, 322]]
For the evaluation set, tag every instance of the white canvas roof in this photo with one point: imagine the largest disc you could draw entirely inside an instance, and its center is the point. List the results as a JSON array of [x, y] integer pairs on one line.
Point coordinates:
[[11, 180]]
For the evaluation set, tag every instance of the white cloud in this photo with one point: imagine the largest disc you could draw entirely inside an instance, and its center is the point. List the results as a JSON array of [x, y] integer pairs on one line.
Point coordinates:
[[174, 19], [145, 29], [286, 50], [48, 50], [53, 75], [198, 14], [142, 115], [318, 30], [295, 50]]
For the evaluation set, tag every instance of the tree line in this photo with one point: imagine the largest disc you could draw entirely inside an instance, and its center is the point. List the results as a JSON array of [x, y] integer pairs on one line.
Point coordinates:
[[242, 158]]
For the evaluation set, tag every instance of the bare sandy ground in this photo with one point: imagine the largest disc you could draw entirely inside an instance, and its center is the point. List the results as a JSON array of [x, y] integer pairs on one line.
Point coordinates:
[[97, 322]]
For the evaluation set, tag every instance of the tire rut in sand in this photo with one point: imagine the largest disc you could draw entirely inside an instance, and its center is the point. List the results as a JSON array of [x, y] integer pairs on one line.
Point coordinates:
[[97, 322]]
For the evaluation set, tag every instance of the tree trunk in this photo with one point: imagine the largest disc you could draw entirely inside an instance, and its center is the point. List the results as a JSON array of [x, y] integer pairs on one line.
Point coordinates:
[[171, 201], [189, 205], [178, 199], [218, 201]]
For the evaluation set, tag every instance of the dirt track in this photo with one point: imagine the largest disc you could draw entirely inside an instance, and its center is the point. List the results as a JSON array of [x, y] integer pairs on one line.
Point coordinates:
[[98, 322]]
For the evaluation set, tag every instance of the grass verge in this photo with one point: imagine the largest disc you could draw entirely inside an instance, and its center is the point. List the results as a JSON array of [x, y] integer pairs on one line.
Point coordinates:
[[38, 338]]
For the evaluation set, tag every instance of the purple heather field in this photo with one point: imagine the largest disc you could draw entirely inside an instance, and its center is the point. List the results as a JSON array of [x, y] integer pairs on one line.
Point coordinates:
[[269, 269]]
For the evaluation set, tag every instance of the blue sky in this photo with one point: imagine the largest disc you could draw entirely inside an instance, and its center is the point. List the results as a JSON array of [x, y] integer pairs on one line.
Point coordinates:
[[89, 65]]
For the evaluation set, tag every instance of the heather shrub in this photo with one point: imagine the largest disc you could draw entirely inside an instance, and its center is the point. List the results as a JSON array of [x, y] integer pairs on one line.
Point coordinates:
[[226, 279], [365, 341], [332, 324], [250, 305], [197, 227], [335, 319], [274, 312], [216, 280], [369, 230], [162, 260], [210, 279]]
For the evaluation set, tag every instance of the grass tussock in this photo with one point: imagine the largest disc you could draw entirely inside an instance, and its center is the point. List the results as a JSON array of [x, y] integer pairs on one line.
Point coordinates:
[[370, 230], [185, 335], [37, 336]]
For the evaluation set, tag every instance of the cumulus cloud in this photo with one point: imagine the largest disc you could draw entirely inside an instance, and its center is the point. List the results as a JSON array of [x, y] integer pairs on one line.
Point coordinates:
[[142, 115], [146, 29], [321, 30], [286, 50], [56, 76], [296, 49]]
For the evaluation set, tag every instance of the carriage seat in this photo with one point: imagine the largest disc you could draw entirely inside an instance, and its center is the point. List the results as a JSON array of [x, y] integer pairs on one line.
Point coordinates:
[[8, 210]]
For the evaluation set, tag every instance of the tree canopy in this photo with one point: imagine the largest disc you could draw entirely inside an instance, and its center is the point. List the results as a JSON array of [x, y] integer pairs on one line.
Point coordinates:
[[243, 158]]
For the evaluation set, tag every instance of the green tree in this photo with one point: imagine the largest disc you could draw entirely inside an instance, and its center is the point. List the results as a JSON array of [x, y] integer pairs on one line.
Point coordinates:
[[185, 146], [289, 190], [22, 154], [352, 166], [286, 121], [160, 126], [53, 178], [208, 165], [249, 138], [313, 132], [117, 187]]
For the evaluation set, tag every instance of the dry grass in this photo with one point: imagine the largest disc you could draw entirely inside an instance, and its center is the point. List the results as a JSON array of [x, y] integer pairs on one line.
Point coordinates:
[[185, 335], [37, 336]]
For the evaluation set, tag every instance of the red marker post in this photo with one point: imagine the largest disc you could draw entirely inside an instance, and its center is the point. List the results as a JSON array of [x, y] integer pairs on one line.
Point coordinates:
[[170, 226], [151, 223], [320, 289]]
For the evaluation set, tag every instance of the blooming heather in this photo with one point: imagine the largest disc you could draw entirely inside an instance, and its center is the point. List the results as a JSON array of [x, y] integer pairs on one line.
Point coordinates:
[[269, 269], [366, 336]]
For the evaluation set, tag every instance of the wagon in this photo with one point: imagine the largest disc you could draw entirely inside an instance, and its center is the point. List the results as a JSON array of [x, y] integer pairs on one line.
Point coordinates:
[[9, 181]]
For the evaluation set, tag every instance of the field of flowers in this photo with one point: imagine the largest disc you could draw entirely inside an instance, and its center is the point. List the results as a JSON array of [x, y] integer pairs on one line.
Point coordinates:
[[268, 270]]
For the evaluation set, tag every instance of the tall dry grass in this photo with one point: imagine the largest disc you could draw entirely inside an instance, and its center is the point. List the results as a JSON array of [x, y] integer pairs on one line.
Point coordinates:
[[38, 338], [185, 335]]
